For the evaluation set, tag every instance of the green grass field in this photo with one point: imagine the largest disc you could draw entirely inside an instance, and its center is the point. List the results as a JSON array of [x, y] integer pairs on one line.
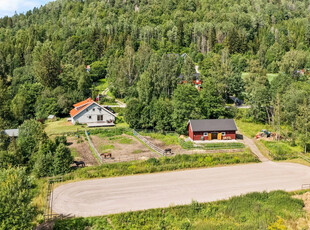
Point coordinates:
[[282, 150], [63, 126], [270, 76], [273, 210], [250, 129], [101, 85], [162, 164], [168, 139]]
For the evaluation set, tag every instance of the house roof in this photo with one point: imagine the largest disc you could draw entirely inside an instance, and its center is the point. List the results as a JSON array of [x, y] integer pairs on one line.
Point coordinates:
[[11, 132], [79, 107], [88, 100], [213, 125]]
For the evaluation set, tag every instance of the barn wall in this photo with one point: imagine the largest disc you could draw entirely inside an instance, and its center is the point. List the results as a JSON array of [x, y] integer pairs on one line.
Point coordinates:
[[190, 132], [196, 136]]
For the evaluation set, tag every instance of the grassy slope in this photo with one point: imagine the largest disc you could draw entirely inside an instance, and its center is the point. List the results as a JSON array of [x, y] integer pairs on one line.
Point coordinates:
[[101, 85], [250, 211], [162, 164], [250, 129]]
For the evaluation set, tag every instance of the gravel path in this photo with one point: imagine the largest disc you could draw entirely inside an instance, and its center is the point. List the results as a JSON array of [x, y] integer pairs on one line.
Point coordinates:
[[139, 192], [249, 142]]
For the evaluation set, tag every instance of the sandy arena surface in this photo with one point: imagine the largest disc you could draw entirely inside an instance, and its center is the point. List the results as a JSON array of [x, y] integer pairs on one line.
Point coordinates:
[[139, 192]]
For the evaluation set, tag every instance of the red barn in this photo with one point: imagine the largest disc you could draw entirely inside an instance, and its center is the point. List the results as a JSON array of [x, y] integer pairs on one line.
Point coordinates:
[[212, 129]]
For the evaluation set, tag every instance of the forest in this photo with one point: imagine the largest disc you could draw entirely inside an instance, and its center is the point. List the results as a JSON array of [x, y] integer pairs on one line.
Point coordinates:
[[147, 50], [138, 45]]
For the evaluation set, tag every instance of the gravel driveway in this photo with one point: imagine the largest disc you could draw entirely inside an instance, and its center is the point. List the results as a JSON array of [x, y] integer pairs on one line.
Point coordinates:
[[138, 192]]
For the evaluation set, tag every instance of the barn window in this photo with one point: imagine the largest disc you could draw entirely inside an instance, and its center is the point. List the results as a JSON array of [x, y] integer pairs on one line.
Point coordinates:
[[223, 134], [89, 117], [94, 109], [205, 134]]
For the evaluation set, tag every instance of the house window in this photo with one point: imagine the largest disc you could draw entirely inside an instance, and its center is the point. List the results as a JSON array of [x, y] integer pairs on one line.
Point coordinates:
[[94, 109], [99, 109], [223, 134], [205, 134], [89, 117], [99, 117]]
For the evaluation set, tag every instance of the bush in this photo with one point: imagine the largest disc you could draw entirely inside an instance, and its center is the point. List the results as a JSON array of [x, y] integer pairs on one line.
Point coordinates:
[[61, 140]]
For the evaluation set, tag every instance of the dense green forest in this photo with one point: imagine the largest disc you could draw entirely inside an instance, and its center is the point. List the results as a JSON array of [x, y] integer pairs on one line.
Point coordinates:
[[138, 47]]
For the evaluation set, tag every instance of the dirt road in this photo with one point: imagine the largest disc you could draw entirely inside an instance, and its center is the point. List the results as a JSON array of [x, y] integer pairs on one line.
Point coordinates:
[[249, 142], [122, 194]]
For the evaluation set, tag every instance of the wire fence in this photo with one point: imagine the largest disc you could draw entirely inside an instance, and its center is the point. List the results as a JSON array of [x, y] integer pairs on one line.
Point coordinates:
[[148, 143], [93, 147], [48, 209]]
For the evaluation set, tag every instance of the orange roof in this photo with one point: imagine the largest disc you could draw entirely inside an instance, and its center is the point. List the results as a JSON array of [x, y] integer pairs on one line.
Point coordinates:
[[80, 106], [88, 100]]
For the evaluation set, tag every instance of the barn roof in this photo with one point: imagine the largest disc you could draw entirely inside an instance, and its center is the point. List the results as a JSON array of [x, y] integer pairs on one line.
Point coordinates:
[[207, 125]]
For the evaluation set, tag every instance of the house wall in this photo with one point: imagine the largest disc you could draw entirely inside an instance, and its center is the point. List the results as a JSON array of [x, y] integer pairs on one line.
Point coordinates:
[[196, 136], [93, 111]]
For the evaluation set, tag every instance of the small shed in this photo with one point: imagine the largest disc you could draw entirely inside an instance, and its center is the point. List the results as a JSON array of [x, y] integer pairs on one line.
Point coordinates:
[[212, 129], [11, 132], [51, 117]]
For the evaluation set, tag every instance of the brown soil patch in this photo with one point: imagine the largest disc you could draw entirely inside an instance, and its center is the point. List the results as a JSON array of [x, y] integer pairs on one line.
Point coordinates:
[[124, 152], [83, 150], [306, 199], [303, 222]]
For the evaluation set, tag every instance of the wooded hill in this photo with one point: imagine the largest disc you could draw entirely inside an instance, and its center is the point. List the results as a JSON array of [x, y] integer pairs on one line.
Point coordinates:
[[137, 46]]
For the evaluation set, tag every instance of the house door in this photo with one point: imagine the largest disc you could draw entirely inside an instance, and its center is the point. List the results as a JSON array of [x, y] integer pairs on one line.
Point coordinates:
[[99, 117], [214, 136]]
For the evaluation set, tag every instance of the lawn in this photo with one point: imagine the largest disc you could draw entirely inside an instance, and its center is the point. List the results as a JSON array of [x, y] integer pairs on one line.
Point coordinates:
[[63, 126], [270, 76], [102, 84], [168, 139], [250, 129], [273, 210]]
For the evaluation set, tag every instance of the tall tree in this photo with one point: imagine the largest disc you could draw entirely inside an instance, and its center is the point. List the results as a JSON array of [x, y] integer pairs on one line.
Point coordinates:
[[186, 104], [63, 159], [16, 209], [46, 64]]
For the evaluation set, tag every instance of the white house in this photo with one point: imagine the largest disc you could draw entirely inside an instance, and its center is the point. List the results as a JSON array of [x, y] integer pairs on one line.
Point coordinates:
[[91, 113]]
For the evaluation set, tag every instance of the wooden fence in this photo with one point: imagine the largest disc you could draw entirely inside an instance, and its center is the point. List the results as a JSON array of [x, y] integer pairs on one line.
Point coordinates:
[[149, 144]]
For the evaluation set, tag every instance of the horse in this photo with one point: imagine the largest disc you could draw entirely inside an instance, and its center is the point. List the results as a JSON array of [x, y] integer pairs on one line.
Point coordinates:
[[78, 163]]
